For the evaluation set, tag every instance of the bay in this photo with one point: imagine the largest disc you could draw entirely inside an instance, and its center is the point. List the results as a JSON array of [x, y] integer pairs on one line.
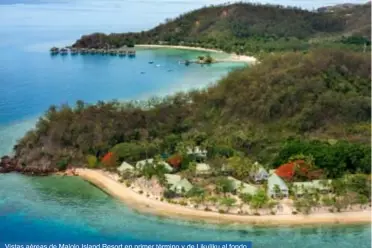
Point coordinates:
[[51, 209]]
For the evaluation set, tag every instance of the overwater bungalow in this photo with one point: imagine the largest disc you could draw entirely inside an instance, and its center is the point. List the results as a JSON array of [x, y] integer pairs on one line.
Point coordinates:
[[131, 52], [83, 51], [54, 50], [63, 51], [113, 52], [74, 51], [122, 53], [93, 51]]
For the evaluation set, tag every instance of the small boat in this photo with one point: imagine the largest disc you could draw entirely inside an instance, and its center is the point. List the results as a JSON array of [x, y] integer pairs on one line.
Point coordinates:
[[157, 65], [151, 62], [170, 70], [142, 72]]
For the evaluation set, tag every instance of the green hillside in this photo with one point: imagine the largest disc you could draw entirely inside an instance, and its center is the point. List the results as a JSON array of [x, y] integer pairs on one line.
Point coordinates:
[[321, 96], [251, 28]]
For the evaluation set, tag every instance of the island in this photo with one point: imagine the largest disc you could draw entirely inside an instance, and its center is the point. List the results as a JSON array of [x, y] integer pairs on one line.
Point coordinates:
[[251, 29], [284, 141]]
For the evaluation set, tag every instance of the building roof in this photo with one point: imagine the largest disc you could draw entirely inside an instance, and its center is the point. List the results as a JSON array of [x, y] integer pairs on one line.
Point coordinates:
[[150, 161], [322, 184], [315, 184], [172, 178], [177, 183], [243, 187], [300, 187], [202, 167], [182, 186], [125, 166], [260, 170], [273, 180], [197, 151]]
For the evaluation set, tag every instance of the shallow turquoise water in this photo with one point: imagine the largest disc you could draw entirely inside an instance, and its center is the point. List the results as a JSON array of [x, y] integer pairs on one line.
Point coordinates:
[[31, 80], [69, 209], [46, 209]]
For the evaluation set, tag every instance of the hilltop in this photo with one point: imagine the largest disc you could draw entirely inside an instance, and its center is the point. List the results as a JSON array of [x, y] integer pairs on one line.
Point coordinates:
[[251, 28]]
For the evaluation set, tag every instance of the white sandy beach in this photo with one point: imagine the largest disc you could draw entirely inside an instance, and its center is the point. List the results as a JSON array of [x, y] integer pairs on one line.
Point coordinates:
[[231, 58], [147, 205]]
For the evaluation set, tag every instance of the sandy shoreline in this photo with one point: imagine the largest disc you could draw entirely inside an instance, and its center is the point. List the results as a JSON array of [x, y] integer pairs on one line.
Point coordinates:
[[146, 205], [231, 58]]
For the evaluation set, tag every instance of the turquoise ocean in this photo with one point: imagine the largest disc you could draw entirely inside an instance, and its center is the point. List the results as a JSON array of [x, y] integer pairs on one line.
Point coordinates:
[[56, 209]]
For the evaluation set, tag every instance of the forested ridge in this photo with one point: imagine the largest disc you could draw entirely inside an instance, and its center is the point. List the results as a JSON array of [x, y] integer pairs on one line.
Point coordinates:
[[251, 29], [316, 104]]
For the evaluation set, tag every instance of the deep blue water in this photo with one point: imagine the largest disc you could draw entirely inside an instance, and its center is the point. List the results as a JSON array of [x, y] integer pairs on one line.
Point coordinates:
[[69, 209]]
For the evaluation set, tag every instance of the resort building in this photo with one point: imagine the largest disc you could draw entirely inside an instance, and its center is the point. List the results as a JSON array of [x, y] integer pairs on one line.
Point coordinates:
[[299, 188], [150, 162], [202, 169], [178, 184], [276, 187], [125, 167], [226, 170], [197, 151], [242, 187], [272, 171], [260, 174], [323, 186]]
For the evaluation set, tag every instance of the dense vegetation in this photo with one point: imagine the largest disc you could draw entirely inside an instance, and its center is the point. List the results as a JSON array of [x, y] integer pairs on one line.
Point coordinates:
[[251, 28], [315, 104]]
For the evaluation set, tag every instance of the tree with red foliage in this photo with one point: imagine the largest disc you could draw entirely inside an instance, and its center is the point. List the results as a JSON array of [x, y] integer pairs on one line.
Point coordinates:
[[286, 171], [299, 169], [110, 160], [175, 161]]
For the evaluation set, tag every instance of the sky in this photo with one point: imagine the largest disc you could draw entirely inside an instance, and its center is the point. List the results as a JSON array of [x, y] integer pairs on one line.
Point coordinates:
[[86, 16]]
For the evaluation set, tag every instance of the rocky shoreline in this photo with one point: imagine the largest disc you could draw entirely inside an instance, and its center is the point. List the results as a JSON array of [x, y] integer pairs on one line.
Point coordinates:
[[11, 164]]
